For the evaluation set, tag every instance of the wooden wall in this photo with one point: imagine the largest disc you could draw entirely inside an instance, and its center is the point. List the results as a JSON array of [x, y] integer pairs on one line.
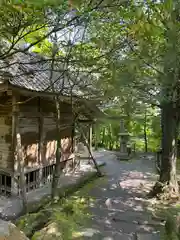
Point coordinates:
[[6, 157], [38, 131]]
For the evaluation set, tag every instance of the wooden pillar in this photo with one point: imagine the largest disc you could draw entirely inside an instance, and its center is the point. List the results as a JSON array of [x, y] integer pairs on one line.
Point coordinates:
[[14, 178], [96, 137], [73, 136], [89, 140], [41, 149], [90, 136], [17, 148], [40, 144]]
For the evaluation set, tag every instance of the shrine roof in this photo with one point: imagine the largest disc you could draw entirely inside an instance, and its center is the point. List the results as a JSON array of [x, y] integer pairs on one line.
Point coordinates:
[[33, 72]]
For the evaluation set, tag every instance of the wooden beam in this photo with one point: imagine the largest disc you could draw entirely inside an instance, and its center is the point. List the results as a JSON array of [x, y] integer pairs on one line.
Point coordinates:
[[33, 93], [89, 108], [45, 93], [30, 114]]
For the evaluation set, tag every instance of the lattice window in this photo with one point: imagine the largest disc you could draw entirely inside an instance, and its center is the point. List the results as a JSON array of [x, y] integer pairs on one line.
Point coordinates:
[[47, 174], [32, 180]]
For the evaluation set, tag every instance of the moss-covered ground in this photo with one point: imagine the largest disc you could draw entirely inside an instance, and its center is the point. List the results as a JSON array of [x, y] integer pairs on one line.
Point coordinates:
[[63, 218]]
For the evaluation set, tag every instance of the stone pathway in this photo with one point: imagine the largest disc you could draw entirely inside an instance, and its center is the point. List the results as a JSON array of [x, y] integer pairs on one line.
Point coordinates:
[[119, 211]]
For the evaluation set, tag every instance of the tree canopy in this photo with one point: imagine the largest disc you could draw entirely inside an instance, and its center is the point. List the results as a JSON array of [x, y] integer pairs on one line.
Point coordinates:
[[128, 50]]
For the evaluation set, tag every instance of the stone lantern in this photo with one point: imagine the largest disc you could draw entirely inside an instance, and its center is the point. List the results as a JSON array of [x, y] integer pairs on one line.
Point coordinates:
[[124, 138]]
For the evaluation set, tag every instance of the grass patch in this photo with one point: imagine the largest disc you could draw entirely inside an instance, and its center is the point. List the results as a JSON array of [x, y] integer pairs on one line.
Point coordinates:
[[61, 219]]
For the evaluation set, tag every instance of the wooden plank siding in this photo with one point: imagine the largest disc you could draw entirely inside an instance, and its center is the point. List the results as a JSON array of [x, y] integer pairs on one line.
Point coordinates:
[[35, 121], [6, 153], [38, 132]]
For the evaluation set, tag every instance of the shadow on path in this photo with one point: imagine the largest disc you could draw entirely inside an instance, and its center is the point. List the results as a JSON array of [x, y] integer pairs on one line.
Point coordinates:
[[119, 209]]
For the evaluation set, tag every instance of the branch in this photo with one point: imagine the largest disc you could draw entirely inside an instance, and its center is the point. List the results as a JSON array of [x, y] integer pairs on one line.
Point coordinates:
[[7, 53], [139, 55], [54, 30]]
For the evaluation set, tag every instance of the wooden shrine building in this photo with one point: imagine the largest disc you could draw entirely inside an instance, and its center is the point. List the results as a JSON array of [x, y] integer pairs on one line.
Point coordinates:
[[27, 108]]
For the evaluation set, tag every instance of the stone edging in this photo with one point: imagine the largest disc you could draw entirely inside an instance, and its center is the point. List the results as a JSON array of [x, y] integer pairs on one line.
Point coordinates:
[[64, 192]]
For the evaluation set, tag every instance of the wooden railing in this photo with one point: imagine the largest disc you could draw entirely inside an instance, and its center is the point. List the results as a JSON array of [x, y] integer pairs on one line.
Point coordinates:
[[34, 179]]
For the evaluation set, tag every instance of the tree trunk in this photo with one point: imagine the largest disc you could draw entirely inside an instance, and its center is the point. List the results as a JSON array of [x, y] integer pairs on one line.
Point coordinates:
[[145, 133], [17, 147], [22, 181], [169, 146], [57, 169]]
